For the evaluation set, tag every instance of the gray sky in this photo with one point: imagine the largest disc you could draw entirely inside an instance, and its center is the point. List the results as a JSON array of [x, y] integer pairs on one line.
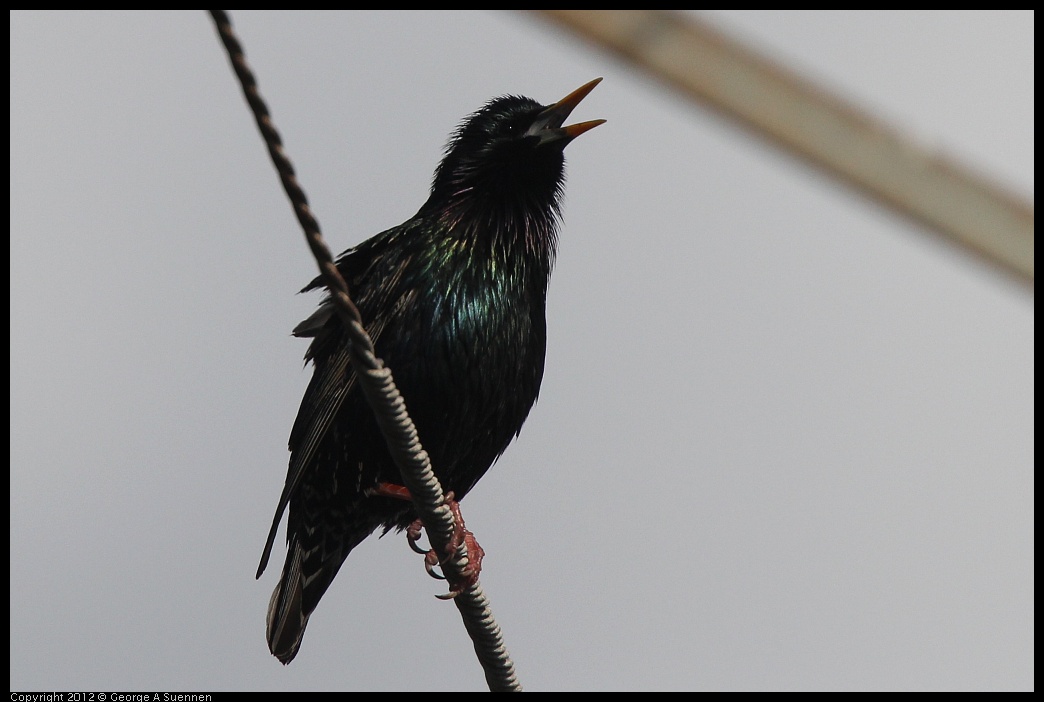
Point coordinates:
[[784, 440]]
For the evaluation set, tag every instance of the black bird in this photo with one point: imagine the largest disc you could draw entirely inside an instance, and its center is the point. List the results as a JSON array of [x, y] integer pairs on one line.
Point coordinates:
[[454, 300]]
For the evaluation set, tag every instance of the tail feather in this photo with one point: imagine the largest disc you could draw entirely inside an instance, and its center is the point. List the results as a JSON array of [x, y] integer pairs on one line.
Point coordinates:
[[286, 616], [314, 555]]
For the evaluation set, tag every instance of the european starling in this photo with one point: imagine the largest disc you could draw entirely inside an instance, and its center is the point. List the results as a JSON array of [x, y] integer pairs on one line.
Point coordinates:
[[454, 300]]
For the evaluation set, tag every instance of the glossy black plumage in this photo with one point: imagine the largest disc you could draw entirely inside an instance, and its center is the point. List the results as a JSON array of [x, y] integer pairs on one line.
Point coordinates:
[[454, 301]]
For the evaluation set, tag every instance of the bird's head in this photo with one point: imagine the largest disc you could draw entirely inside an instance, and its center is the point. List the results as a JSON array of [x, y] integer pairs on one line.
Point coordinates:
[[511, 150]]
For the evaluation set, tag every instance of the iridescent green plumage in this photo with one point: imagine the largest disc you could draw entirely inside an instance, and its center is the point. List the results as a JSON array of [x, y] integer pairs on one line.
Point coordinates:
[[454, 301]]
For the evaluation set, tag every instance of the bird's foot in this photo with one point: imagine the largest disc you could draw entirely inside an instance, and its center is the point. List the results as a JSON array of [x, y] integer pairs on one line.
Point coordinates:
[[431, 559], [470, 573]]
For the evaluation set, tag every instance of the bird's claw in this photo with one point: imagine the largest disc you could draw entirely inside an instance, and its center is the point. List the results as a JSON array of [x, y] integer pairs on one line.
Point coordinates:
[[413, 534], [469, 575], [461, 536], [431, 559], [470, 572]]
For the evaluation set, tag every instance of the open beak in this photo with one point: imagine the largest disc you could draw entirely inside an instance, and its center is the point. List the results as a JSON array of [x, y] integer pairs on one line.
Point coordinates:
[[548, 124]]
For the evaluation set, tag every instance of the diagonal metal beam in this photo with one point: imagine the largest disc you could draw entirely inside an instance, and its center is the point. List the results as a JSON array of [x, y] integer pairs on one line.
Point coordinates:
[[820, 127]]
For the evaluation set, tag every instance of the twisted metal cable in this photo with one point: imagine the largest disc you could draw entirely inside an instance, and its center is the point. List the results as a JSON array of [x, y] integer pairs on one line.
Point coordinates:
[[381, 393]]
